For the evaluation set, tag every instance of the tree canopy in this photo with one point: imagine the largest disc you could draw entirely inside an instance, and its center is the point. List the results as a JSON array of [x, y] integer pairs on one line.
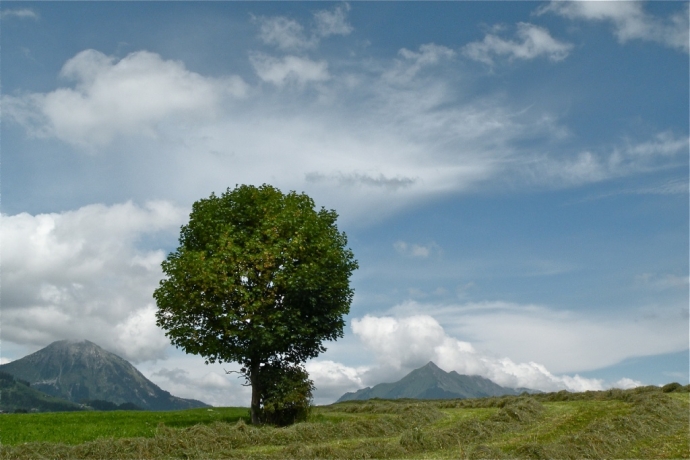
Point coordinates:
[[259, 278]]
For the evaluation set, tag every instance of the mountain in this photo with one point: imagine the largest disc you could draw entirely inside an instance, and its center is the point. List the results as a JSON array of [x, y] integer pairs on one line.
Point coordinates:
[[432, 382], [80, 371], [17, 395]]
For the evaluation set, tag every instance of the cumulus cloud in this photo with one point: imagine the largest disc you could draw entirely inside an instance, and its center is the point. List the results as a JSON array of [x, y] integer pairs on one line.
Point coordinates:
[[630, 21], [81, 275], [333, 379], [563, 341], [126, 97], [405, 343], [402, 344], [280, 71], [533, 41], [626, 383]]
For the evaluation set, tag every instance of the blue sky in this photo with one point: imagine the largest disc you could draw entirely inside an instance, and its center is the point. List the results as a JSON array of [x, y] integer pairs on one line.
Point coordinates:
[[512, 177]]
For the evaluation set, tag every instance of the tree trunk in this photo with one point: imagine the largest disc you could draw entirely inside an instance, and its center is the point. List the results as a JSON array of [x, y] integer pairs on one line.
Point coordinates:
[[256, 392]]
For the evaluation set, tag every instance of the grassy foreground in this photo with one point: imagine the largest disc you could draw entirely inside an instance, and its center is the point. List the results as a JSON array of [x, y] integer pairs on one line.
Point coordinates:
[[640, 423]]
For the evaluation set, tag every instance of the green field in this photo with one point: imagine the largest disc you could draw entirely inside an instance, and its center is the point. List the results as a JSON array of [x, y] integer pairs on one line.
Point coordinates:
[[641, 423]]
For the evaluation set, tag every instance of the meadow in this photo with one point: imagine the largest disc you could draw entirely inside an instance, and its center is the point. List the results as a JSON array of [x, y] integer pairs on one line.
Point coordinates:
[[646, 422]]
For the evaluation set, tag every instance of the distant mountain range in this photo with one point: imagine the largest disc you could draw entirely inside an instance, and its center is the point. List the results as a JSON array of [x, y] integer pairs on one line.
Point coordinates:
[[80, 371], [432, 382]]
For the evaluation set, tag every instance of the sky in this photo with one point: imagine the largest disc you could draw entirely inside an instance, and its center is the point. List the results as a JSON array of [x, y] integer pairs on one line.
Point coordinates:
[[512, 178]]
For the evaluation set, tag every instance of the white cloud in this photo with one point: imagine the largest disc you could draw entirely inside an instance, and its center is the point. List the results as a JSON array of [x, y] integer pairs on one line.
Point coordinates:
[[81, 275], [629, 20], [333, 22], [280, 71], [333, 379], [563, 341], [533, 41], [410, 342], [664, 281], [284, 33], [128, 97], [382, 136], [23, 13], [622, 160], [626, 383], [413, 62], [416, 250], [187, 376], [289, 35]]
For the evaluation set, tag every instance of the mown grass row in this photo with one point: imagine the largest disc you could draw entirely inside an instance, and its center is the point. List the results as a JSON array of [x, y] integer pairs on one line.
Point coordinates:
[[640, 423]]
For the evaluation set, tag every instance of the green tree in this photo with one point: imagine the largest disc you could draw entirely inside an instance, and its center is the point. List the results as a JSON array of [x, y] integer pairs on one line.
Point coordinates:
[[260, 278]]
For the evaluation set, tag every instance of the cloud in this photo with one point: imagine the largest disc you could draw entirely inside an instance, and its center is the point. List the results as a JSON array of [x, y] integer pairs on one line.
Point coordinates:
[[333, 379], [413, 62], [626, 159], [354, 179], [533, 41], [280, 71], [187, 376], [128, 97], [333, 22], [384, 135], [410, 342], [82, 275], [416, 250], [561, 340], [630, 21], [23, 13], [284, 33], [626, 383], [663, 281], [289, 35]]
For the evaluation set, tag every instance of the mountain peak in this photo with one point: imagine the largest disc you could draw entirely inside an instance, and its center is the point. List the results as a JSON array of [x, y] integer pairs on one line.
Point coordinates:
[[432, 382], [79, 370]]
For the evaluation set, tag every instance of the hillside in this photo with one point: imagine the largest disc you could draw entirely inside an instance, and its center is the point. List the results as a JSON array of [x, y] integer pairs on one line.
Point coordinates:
[[79, 371], [432, 382], [17, 395]]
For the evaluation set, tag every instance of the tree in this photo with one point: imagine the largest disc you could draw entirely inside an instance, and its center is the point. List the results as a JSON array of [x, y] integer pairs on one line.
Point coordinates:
[[260, 278]]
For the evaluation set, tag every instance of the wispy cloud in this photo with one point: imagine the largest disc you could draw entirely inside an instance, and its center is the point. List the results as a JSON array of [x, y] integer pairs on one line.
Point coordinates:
[[24, 13], [532, 42], [630, 21], [333, 22], [289, 35], [280, 71], [367, 141], [368, 180], [416, 250]]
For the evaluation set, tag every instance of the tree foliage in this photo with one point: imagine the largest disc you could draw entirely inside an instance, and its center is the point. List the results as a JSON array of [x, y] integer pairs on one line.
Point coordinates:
[[286, 393], [259, 278]]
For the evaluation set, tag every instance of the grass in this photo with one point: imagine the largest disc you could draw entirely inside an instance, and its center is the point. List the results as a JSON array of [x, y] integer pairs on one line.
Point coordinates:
[[80, 427], [640, 423]]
